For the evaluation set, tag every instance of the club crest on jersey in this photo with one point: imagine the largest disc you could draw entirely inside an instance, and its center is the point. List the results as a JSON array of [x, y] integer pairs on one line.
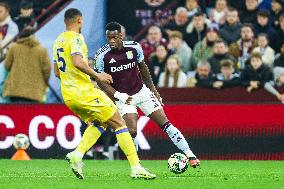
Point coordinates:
[[129, 55]]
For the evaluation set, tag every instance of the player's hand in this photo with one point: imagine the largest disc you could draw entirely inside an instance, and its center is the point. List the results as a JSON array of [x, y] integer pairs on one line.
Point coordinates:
[[123, 97], [104, 77]]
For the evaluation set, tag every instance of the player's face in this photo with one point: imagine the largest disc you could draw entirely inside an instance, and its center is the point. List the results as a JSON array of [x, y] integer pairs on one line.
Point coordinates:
[[114, 39]]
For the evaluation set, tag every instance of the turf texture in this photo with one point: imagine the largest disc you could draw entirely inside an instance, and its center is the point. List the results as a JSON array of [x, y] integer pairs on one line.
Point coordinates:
[[55, 174]]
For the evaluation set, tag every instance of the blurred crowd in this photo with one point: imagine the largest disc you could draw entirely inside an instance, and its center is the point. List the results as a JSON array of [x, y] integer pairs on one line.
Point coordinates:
[[18, 69], [223, 43]]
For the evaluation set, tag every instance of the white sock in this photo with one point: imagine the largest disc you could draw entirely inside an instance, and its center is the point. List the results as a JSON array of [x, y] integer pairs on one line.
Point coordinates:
[[178, 139], [135, 140]]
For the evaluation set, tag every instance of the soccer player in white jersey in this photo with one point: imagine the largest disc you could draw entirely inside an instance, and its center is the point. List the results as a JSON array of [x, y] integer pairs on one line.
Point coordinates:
[[133, 87]]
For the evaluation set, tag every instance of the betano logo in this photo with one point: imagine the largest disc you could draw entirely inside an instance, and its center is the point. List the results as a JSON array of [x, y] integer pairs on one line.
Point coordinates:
[[122, 67]]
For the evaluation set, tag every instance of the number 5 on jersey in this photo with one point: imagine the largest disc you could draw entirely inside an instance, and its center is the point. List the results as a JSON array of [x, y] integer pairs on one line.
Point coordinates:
[[60, 60]]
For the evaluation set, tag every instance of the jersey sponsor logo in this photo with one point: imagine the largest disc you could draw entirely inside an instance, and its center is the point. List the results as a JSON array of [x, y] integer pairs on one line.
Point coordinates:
[[129, 55], [122, 67], [112, 60]]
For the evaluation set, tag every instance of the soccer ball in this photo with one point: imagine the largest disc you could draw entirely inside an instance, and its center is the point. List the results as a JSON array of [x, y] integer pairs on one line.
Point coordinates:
[[21, 141], [178, 163]]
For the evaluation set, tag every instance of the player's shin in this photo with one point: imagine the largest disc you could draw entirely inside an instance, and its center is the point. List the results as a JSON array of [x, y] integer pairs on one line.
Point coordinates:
[[178, 139], [126, 144], [90, 137]]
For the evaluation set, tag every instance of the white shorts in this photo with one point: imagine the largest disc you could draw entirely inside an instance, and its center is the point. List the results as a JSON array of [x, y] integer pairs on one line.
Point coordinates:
[[144, 99]]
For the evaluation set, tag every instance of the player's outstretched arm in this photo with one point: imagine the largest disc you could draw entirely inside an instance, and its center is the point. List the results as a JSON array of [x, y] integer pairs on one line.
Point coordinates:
[[145, 73], [83, 67]]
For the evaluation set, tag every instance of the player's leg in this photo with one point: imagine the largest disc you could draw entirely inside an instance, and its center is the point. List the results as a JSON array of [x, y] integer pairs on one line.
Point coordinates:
[[154, 110], [125, 142], [131, 122], [174, 134], [130, 115], [90, 137]]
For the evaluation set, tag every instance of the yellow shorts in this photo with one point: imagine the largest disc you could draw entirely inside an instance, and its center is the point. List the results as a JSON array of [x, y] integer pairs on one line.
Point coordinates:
[[92, 106]]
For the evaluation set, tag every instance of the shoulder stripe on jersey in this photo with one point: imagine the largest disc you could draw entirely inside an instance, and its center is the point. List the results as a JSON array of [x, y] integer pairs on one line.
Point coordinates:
[[103, 49]]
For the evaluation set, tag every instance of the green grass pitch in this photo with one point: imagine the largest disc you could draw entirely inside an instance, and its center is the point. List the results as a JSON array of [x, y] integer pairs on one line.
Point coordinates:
[[55, 174]]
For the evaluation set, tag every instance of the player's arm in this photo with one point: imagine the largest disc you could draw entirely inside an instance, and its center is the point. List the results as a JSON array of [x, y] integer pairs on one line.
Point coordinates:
[[99, 67], [81, 65], [145, 73], [78, 61]]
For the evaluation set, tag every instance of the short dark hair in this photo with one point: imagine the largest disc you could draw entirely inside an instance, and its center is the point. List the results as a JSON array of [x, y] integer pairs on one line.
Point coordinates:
[[248, 25], [26, 32], [221, 41], [198, 13], [112, 26], [227, 63], [71, 14], [263, 13], [5, 5], [232, 9], [263, 35], [255, 55]]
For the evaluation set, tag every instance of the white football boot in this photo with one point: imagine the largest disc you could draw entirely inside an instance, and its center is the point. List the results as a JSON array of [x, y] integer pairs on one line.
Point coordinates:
[[140, 172], [76, 164]]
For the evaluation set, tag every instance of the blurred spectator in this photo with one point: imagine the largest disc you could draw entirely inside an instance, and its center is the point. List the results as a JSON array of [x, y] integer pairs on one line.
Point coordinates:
[[172, 76], [192, 7], [180, 48], [26, 15], [265, 50], [242, 49], [179, 23], [228, 77], [279, 60], [263, 25], [264, 5], [152, 40], [220, 50], [29, 75], [204, 48], [202, 77], [230, 32], [196, 30], [239, 4], [277, 9], [8, 28], [249, 14], [157, 63], [125, 37], [218, 14], [278, 38], [278, 73], [256, 75], [41, 5]]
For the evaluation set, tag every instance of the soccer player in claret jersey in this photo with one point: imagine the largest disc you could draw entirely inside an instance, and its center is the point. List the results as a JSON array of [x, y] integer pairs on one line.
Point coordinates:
[[90, 104], [132, 86]]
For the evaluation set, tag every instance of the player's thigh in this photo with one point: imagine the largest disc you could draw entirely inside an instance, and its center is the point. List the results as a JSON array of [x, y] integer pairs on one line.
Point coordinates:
[[95, 106], [131, 122], [148, 102]]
